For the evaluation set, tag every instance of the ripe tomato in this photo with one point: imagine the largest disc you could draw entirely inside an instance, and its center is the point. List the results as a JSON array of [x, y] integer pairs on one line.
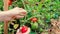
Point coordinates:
[[9, 2], [24, 29], [34, 19]]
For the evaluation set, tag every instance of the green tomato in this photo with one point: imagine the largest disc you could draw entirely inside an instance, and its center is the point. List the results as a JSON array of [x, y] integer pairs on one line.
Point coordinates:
[[34, 26]]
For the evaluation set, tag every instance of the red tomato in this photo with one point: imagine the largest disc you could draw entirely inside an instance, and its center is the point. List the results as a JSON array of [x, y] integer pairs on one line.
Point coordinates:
[[9, 2], [24, 29], [34, 19]]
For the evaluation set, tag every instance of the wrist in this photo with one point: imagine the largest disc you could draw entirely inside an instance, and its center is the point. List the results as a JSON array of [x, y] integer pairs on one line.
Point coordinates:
[[3, 15], [13, 12]]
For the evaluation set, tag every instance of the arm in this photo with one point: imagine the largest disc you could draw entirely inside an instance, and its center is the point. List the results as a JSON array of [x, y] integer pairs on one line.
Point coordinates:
[[7, 15], [2, 15]]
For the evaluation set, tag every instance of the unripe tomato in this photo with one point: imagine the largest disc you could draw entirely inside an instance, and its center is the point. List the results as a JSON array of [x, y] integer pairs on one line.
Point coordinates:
[[24, 29], [34, 19], [34, 26]]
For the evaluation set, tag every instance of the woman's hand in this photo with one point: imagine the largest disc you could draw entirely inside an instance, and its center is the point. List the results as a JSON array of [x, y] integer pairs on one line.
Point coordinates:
[[19, 32], [12, 14]]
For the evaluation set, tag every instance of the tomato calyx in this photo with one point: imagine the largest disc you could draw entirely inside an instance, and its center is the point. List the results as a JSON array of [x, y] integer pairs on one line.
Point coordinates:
[[24, 29]]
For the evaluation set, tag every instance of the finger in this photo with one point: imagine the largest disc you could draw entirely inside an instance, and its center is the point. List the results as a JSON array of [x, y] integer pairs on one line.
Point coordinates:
[[18, 16], [23, 13], [18, 8], [19, 11], [18, 32], [23, 10]]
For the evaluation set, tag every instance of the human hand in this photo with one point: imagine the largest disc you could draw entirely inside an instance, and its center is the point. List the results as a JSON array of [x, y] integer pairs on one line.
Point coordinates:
[[19, 32], [12, 14]]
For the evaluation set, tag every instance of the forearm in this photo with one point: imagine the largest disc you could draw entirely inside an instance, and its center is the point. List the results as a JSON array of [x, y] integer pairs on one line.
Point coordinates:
[[2, 15], [5, 14], [10, 13]]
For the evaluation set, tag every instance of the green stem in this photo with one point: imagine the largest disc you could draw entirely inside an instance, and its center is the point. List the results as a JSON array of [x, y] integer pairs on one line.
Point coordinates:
[[23, 3]]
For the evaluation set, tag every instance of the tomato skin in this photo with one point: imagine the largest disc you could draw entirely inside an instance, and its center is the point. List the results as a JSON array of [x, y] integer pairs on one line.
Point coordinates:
[[9, 2], [24, 29], [34, 19]]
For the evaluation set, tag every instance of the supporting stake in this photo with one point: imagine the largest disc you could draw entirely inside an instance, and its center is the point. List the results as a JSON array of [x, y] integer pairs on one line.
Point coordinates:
[[5, 22]]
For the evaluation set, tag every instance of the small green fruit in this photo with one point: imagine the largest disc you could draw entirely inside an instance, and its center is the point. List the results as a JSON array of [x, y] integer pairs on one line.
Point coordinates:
[[15, 26], [34, 26]]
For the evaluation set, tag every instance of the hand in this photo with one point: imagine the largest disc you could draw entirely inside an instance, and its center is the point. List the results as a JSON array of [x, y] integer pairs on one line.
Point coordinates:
[[23, 33], [12, 14]]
